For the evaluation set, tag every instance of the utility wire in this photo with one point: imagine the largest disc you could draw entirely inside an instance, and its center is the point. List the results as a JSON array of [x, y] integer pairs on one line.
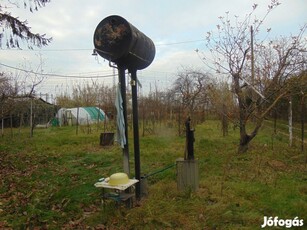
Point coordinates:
[[178, 43], [55, 75], [47, 50], [85, 49]]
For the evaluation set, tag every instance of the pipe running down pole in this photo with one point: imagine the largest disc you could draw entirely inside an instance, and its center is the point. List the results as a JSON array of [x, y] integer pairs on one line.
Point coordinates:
[[137, 161], [122, 81]]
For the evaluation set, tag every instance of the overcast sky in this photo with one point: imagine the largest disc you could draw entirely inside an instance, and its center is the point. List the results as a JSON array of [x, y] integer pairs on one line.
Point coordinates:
[[177, 27]]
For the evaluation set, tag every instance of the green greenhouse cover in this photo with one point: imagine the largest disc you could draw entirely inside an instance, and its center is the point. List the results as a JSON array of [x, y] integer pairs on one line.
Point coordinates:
[[94, 113]]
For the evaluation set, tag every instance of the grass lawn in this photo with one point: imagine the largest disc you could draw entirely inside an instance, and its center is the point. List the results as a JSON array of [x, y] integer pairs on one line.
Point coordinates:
[[47, 182]]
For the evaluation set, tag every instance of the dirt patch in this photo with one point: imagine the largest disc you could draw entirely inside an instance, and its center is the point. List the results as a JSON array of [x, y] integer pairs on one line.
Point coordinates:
[[277, 165]]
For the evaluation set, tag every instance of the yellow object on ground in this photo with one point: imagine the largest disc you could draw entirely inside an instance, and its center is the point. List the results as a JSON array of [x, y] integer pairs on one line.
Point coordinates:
[[118, 179]]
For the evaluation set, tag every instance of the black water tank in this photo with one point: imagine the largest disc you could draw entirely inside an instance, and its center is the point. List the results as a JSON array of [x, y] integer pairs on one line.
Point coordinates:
[[116, 40]]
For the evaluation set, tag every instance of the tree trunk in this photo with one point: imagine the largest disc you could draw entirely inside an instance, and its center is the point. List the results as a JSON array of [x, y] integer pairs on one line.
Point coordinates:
[[245, 138], [244, 141], [243, 118]]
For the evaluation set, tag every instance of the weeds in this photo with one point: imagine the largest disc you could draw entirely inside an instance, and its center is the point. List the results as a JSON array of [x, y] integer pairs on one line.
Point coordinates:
[[47, 181]]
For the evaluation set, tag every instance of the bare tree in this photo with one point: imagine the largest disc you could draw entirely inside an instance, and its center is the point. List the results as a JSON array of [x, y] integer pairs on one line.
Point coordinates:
[[89, 95], [191, 85], [7, 90], [223, 104], [233, 53], [14, 30], [17, 88]]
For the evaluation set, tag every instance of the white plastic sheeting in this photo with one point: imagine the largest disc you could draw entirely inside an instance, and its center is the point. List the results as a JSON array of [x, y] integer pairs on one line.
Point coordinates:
[[85, 115]]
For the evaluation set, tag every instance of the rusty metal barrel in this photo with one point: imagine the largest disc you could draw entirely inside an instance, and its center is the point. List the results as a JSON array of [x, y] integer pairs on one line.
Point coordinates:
[[118, 41]]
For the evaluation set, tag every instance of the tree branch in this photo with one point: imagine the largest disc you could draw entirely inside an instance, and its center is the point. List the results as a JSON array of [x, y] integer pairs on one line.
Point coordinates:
[[19, 30]]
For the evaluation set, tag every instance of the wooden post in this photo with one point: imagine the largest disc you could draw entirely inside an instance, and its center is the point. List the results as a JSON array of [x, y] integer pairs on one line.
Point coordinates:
[[31, 118], [303, 121], [2, 124], [290, 122], [77, 123]]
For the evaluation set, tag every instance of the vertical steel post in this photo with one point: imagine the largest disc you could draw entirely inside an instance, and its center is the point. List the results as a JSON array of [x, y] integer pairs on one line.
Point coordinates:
[[122, 81], [189, 140], [137, 161]]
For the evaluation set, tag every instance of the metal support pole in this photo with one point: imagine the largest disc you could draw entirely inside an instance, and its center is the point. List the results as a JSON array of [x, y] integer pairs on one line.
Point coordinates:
[[189, 140], [122, 81], [137, 161]]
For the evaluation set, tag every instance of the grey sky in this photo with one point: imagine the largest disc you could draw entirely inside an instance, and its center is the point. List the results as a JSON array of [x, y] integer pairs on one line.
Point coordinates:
[[177, 28]]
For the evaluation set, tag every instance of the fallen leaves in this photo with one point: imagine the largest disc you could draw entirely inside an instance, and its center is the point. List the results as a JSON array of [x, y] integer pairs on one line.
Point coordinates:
[[40, 191]]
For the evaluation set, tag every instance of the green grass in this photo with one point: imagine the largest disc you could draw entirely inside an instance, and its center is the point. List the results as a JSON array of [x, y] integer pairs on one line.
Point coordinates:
[[47, 181]]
